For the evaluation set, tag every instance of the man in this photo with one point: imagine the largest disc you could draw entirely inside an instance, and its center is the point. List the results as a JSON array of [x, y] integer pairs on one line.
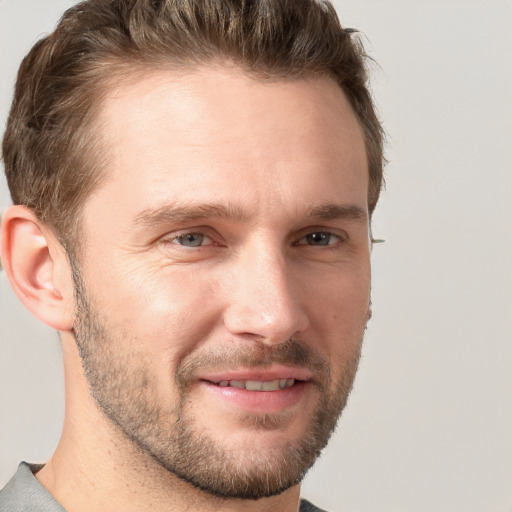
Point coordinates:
[[193, 184]]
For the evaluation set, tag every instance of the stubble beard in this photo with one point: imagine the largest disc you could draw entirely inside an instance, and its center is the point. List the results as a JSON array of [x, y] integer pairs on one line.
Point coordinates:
[[125, 390]]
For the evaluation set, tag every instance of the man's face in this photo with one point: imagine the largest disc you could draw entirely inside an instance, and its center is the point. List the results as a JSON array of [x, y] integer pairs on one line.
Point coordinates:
[[223, 290]]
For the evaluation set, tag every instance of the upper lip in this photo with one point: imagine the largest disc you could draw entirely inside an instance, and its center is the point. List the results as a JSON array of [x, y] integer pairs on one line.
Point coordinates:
[[258, 374]]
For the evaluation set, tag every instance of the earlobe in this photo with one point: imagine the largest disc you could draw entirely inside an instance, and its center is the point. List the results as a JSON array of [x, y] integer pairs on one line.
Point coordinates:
[[37, 268]]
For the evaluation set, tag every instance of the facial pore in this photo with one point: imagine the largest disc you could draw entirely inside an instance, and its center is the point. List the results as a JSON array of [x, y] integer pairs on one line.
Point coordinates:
[[124, 389]]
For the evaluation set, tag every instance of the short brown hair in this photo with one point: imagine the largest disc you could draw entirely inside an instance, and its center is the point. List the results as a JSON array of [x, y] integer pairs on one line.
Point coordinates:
[[48, 147]]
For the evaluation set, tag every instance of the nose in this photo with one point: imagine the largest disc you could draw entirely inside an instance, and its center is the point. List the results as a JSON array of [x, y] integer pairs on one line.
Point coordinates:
[[263, 300]]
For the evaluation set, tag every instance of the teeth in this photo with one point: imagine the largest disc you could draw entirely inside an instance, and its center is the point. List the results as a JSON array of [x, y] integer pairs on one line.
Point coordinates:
[[253, 385], [257, 385], [270, 386]]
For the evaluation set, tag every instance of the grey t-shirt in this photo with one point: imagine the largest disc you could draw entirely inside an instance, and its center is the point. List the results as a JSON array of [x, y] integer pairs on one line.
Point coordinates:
[[24, 493]]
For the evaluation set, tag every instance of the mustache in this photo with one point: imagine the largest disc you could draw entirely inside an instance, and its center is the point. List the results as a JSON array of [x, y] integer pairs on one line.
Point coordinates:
[[252, 354]]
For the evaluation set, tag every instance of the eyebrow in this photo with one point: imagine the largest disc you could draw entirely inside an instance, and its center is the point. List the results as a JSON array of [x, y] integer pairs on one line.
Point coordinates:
[[338, 211], [176, 213]]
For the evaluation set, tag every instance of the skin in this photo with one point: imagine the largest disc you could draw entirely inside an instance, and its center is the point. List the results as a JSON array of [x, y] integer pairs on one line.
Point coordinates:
[[276, 153]]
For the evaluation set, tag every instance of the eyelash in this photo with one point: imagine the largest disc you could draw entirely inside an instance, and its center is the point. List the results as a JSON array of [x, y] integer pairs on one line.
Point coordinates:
[[322, 236], [174, 239]]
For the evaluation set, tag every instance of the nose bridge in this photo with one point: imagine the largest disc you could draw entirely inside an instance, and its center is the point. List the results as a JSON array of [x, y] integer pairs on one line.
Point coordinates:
[[263, 302]]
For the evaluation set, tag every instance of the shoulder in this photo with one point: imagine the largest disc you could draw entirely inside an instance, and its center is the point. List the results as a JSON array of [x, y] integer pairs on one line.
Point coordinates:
[[306, 506]]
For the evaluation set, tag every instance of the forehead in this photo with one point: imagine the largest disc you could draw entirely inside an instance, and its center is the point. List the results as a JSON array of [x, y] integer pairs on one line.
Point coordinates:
[[172, 134], [226, 102]]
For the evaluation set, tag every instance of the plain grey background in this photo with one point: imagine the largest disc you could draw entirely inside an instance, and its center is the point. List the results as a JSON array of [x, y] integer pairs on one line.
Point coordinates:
[[429, 424]]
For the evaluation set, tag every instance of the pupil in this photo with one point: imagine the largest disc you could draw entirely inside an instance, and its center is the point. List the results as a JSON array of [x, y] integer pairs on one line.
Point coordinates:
[[319, 238], [192, 239]]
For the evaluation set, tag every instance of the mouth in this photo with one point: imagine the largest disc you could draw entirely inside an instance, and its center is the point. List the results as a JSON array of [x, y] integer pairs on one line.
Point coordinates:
[[257, 385], [261, 391]]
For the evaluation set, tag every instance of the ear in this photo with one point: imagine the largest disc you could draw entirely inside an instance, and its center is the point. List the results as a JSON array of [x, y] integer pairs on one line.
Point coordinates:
[[37, 268]]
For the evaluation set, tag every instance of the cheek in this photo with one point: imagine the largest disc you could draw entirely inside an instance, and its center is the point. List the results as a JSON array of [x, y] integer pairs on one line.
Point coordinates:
[[342, 293], [164, 313], [339, 310]]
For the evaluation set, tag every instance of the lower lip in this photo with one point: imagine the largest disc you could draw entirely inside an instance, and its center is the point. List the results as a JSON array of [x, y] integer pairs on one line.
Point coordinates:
[[259, 401]]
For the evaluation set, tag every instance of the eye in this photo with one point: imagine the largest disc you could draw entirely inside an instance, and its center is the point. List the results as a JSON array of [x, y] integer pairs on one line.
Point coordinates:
[[320, 239], [192, 240]]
